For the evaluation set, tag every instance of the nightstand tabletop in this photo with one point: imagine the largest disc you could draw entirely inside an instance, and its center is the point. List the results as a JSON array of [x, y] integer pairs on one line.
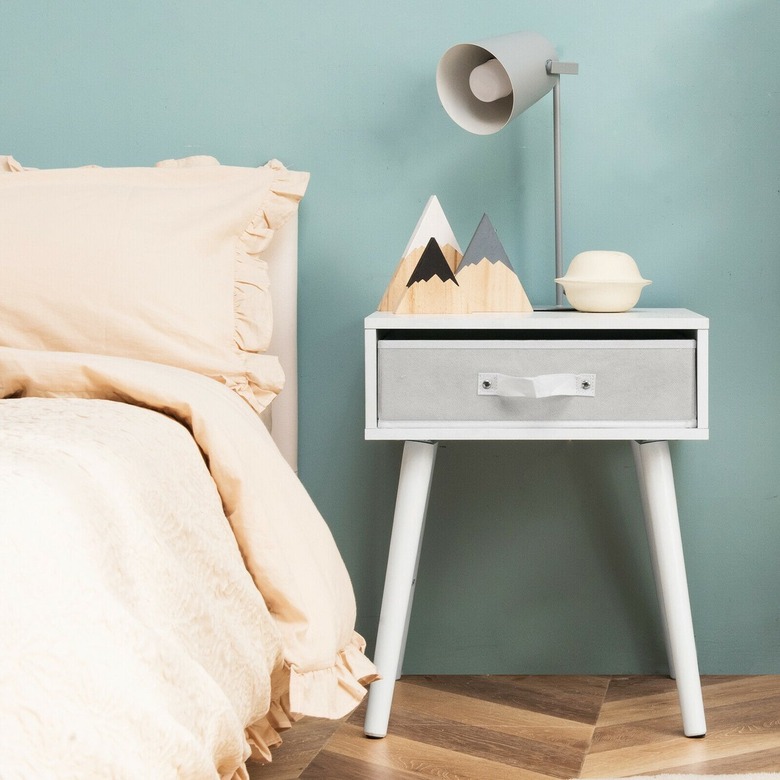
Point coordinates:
[[543, 319]]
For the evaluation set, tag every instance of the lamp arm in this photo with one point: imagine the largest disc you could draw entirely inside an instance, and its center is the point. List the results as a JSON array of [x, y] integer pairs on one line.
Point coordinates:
[[554, 67], [557, 189]]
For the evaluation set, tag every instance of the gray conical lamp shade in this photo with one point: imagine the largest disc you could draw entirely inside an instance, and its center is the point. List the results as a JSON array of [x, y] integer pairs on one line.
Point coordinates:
[[514, 77]]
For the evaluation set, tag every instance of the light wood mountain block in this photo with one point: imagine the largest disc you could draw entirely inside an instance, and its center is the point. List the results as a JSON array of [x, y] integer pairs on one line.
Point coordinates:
[[485, 279], [397, 288], [481, 287], [492, 286], [432, 224], [435, 296]]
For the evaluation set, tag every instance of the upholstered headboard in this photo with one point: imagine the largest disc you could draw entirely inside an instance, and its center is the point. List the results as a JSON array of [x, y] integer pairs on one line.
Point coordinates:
[[282, 257]]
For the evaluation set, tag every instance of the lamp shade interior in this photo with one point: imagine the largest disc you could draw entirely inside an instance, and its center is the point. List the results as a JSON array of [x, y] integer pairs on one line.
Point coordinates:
[[517, 59]]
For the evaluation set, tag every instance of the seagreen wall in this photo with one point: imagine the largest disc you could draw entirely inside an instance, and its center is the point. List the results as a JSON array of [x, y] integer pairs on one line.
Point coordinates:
[[534, 558]]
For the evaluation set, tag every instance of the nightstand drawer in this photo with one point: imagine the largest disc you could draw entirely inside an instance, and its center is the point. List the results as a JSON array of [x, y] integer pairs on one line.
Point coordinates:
[[567, 383]]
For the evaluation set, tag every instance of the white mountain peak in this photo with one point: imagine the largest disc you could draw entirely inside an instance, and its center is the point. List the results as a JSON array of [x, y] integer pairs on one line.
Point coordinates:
[[433, 223]]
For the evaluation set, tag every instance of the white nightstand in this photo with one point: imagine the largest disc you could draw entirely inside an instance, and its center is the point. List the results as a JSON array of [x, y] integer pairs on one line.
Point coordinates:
[[639, 376]]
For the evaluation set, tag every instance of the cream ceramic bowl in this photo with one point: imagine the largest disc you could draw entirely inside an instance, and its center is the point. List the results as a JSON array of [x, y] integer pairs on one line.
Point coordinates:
[[603, 281]]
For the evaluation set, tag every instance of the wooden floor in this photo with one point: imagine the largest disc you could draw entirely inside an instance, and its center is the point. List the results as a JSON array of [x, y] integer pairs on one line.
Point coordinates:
[[531, 728]]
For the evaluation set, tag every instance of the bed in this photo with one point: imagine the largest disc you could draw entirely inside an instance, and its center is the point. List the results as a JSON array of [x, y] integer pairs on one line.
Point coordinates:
[[170, 598]]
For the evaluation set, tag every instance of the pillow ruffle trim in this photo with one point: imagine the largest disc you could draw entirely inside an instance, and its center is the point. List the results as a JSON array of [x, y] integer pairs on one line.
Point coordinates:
[[260, 380], [251, 298], [9, 165], [331, 693]]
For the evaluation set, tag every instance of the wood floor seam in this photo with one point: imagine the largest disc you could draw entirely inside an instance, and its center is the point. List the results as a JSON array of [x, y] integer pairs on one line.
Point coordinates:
[[593, 728]]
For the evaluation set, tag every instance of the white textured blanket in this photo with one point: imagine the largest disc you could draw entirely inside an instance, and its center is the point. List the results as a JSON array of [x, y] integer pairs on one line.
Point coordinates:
[[157, 619]]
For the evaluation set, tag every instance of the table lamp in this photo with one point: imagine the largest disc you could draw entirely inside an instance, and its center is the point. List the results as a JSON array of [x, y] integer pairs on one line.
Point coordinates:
[[484, 85]]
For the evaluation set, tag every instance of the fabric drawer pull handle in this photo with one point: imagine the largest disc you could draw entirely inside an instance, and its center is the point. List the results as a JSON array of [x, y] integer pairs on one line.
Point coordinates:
[[544, 386]]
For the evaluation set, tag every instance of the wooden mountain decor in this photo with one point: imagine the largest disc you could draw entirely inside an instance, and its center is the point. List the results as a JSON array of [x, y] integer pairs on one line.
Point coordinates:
[[486, 275], [434, 277], [432, 224], [432, 287]]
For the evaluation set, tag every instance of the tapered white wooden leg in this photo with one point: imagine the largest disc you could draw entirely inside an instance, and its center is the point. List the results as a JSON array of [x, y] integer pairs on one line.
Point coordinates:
[[411, 504], [399, 669], [635, 446], [654, 469]]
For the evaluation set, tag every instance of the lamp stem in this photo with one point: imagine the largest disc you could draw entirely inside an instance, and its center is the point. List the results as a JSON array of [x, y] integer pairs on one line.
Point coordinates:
[[557, 188]]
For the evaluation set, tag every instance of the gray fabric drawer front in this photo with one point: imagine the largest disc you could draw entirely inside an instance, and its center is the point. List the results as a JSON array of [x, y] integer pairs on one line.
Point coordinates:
[[652, 382]]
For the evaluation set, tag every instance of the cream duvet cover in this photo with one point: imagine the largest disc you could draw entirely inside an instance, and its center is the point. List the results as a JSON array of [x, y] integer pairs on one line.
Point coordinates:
[[169, 595]]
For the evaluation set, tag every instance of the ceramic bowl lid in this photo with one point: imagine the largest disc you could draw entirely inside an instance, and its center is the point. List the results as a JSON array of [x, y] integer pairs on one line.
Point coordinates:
[[602, 266]]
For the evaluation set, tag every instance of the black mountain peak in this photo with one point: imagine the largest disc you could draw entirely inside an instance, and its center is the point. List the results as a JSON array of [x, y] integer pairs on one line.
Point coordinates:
[[431, 263]]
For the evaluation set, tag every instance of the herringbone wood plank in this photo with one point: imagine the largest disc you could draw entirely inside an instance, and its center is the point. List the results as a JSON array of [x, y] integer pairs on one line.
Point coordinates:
[[534, 728], [639, 733]]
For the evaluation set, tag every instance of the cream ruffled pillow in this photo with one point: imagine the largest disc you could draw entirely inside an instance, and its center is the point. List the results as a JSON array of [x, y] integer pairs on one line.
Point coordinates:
[[162, 264]]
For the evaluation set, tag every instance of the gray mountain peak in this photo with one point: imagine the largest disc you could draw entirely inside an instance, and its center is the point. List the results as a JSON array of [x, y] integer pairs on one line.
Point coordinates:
[[485, 244]]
